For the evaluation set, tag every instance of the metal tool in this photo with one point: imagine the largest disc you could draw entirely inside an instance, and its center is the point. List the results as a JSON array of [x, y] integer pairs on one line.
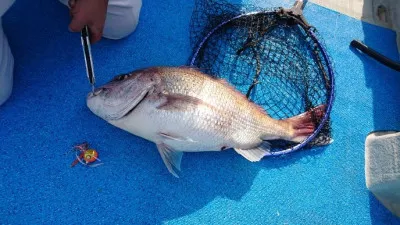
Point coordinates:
[[88, 55]]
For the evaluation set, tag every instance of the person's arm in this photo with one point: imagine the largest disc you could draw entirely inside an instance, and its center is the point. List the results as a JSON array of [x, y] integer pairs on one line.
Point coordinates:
[[91, 13]]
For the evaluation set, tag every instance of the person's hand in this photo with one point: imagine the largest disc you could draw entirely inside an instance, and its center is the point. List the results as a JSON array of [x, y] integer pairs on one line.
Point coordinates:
[[91, 13]]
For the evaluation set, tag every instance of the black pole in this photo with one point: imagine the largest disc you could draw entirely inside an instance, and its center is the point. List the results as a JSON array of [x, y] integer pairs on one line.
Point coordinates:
[[376, 55]]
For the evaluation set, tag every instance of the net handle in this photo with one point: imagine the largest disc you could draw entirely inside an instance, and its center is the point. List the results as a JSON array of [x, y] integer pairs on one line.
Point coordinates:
[[298, 7]]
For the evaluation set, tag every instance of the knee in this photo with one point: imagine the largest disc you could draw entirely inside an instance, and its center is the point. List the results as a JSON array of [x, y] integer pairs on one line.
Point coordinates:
[[6, 73], [122, 18], [6, 58], [5, 5], [65, 2]]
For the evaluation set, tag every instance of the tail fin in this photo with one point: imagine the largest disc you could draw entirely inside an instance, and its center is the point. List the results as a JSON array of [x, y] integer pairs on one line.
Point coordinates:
[[303, 125]]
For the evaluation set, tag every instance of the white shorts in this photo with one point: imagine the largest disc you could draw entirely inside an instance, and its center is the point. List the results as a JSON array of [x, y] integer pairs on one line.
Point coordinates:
[[6, 58], [122, 17]]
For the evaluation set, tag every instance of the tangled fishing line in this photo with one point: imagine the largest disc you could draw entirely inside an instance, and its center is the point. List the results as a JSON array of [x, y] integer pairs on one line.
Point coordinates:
[[274, 57]]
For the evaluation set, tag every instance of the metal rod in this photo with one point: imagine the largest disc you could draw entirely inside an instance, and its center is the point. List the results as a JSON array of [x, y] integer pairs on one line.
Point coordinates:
[[88, 55]]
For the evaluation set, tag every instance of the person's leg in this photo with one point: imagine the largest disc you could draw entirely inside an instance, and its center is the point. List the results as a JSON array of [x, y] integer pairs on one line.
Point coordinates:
[[6, 58], [122, 17]]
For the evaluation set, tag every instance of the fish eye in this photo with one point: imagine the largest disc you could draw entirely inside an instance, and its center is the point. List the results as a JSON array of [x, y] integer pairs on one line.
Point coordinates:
[[119, 78]]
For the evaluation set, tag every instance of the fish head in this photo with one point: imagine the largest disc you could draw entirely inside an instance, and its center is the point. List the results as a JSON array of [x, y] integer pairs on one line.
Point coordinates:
[[121, 95]]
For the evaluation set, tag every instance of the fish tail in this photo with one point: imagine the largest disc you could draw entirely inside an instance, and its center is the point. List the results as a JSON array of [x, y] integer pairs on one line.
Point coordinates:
[[303, 125]]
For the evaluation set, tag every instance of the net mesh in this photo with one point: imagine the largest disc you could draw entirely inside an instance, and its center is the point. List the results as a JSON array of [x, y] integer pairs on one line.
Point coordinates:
[[267, 56]]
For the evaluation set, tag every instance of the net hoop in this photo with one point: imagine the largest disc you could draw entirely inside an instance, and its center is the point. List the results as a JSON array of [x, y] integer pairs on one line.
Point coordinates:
[[312, 34]]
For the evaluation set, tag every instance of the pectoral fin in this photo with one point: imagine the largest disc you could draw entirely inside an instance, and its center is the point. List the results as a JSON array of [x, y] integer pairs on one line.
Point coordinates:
[[172, 159], [255, 154], [180, 102]]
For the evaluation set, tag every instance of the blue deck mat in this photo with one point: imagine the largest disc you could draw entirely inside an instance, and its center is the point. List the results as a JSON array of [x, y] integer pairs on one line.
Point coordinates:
[[47, 114]]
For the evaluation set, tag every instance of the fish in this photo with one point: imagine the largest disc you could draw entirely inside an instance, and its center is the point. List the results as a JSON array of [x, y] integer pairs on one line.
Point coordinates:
[[181, 109]]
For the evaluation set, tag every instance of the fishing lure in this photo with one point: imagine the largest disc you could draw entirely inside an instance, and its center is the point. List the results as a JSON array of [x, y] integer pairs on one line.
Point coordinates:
[[87, 156]]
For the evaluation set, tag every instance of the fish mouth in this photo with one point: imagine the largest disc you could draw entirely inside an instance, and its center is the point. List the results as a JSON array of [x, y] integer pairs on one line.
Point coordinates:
[[97, 91], [94, 93]]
